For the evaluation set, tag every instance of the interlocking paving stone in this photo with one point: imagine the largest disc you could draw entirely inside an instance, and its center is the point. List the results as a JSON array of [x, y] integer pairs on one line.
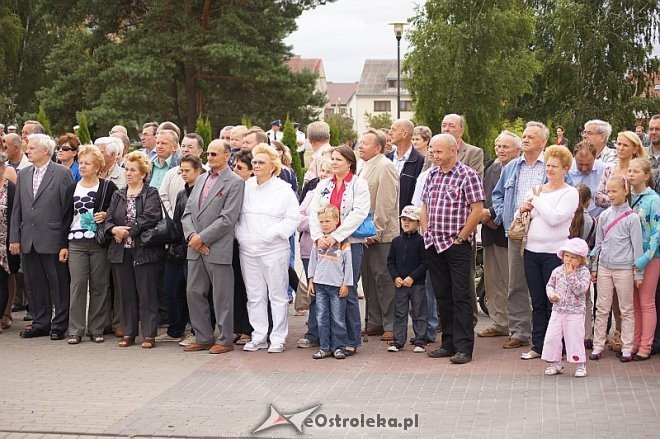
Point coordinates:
[[50, 389]]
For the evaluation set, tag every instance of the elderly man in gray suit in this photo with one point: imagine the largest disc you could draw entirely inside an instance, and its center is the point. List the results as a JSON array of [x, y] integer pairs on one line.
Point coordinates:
[[38, 234], [208, 224]]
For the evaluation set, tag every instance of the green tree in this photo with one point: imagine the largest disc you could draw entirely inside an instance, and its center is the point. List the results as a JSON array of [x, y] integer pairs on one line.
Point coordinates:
[[204, 129], [289, 139], [83, 130], [43, 119], [167, 59], [378, 121], [597, 59], [334, 132], [343, 126], [472, 58]]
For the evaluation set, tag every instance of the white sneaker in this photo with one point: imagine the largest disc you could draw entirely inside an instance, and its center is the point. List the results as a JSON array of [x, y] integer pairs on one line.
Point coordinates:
[[253, 346], [190, 339], [165, 337], [581, 371], [554, 369], [419, 349], [531, 355], [275, 348], [393, 348]]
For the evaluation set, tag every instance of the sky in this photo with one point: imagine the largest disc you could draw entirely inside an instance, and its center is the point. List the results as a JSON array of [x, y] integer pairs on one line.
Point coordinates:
[[345, 33]]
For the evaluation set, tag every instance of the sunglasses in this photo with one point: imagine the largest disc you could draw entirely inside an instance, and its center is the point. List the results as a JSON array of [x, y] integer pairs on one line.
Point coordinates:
[[64, 148], [239, 167]]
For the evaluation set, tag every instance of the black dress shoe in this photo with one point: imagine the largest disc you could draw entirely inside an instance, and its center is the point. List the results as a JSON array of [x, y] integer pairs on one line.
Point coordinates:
[[18, 308], [56, 335], [460, 358], [440, 353], [28, 317], [32, 333]]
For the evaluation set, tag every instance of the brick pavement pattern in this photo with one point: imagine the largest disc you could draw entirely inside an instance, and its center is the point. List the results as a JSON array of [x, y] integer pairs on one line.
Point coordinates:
[[50, 389]]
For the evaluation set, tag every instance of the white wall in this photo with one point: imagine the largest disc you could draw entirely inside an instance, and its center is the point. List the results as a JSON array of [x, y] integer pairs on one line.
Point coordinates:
[[366, 104]]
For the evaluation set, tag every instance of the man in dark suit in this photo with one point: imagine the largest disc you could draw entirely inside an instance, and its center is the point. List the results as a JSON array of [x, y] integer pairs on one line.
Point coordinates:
[[38, 234], [407, 160], [208, 223]]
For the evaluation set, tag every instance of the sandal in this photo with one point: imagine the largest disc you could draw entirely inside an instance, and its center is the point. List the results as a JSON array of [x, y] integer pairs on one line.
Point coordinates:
[[126, 342], [349, 351], [6, 322], [96, 338], [236, 337], [320, 354], [148, 343], [74, 339], [300, 312], [244, 338]]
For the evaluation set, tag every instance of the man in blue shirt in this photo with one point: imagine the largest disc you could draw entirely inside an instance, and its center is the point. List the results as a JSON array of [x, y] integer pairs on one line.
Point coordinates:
[[167, 142], [587, 170]]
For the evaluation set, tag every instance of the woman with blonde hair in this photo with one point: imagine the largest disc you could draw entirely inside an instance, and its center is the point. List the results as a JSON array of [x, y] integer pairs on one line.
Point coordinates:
[[132, 211], [551, 207], [89, 200], [628, 147], [268, 218]]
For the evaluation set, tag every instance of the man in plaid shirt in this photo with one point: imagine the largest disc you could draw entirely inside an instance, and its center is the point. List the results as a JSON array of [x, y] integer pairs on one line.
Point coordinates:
[[452, 200]]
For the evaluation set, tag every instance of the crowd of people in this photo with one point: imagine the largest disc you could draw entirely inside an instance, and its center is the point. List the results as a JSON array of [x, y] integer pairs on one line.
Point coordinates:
[[100, 240]]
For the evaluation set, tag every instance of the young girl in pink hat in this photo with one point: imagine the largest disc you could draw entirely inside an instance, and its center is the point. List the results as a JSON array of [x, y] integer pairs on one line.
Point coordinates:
[[567, 289]]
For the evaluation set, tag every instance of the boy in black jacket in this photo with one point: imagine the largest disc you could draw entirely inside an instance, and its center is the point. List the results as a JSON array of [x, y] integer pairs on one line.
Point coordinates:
[[407, 266]]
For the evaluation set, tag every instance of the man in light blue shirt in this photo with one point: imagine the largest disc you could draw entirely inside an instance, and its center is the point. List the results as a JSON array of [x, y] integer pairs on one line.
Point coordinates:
[[587, 170], [165, 159]]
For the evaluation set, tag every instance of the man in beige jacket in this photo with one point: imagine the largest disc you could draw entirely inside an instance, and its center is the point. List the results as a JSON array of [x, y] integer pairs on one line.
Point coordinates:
[[383, 180]]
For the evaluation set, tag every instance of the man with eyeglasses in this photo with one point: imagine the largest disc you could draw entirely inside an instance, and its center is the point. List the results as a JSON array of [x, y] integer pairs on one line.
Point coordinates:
[[208, 223], [598, 132], [172, 182], [148, 139]]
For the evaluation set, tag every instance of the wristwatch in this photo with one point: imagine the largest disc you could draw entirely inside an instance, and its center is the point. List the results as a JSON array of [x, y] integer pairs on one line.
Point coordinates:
[[459, 240]]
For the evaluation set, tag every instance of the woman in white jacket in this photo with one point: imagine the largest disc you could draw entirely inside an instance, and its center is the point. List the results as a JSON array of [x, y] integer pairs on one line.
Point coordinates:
[[350, 194], [270, 214]]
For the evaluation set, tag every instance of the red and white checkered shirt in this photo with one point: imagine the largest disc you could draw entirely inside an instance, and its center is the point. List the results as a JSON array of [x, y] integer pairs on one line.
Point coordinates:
[[448, 197]]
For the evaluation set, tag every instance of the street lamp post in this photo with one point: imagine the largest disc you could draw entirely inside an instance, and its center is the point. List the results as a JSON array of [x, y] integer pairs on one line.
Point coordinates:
[[398, 32]]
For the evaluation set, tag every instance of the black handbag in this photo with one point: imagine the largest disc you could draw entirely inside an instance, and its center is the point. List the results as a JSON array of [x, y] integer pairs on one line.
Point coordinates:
[[101, 237], [163, 233]]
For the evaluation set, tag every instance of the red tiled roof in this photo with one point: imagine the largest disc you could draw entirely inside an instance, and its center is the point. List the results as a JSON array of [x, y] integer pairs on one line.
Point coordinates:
[[342, 91], [298, 64]]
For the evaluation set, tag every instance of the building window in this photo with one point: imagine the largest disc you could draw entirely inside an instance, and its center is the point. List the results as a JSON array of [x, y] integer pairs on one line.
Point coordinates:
[[406, 106], [382, 106], [657, 86], [391, 83]]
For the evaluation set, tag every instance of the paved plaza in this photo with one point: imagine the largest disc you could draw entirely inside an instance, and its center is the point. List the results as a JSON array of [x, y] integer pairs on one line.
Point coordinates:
[[51, 389]]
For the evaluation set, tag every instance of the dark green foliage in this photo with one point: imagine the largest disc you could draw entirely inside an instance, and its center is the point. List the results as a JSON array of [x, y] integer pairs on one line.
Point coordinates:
[[83, 130], [204, 129], [141, 60], [289, 139]]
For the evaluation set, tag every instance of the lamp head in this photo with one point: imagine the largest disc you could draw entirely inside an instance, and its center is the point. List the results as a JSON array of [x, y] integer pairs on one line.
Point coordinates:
[[398, 28]]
